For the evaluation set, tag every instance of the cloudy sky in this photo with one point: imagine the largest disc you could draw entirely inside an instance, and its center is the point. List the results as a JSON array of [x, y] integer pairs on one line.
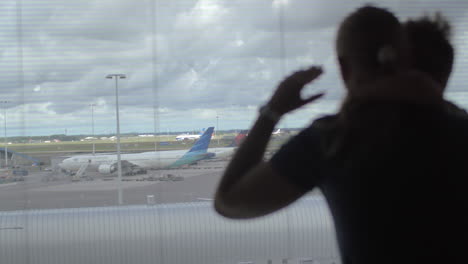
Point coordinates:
[[187, 62]]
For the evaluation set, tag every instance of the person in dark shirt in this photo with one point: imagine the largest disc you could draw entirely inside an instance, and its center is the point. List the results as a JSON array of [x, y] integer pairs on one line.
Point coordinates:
[[390, 164]]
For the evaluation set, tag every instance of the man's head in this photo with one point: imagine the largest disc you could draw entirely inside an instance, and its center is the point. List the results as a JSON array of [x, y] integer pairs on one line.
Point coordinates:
[[370, 43], [431, 50]]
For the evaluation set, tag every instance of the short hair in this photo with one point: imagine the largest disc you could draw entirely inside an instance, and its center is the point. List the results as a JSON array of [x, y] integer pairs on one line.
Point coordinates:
[[365, 32], [431, 50]]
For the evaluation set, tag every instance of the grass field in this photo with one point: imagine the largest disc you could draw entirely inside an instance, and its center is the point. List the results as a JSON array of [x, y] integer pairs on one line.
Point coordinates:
[[133, 144], [127, 145], [45, 152]]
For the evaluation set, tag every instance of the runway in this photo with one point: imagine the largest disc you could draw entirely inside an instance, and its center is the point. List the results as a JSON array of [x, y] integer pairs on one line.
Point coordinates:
[[50, 190], [199, 181]]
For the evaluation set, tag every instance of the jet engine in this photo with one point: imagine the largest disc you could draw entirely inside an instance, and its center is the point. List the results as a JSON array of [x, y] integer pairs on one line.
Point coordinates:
[[107, 168]]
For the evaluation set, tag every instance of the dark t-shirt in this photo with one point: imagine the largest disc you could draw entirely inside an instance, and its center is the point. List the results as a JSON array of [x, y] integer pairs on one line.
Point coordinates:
[[396, 182]]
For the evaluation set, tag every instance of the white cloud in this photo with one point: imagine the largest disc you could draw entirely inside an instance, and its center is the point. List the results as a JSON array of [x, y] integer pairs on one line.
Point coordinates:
[[205, 13]]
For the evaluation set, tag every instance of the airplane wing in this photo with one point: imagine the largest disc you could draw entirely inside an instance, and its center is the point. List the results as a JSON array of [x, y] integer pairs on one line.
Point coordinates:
[[205, 199]]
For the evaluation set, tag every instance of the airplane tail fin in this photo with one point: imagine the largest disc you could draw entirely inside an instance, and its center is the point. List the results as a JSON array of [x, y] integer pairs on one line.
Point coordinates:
[[239, 138], [197, 152], [202, 143]]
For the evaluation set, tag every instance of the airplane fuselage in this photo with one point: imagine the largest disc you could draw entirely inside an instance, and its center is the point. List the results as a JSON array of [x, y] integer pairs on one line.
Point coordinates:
[[105, 163], [187, 137], [222, 153], [147, 160]]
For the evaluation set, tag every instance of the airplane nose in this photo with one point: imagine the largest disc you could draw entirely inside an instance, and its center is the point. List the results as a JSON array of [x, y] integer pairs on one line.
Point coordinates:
[[62, 164]]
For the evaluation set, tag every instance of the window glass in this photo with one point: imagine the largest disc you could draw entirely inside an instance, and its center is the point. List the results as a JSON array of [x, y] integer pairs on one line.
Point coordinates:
[[84, 80]]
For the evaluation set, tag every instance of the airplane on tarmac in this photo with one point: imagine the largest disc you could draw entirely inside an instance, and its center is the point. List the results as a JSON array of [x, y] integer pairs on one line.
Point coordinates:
[[277, 132], [228, 151], [107, 163], [182, 137], [194, 233]]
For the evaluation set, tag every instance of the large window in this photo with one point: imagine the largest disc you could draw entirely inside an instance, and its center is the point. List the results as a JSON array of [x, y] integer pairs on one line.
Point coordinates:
[[82, 77]]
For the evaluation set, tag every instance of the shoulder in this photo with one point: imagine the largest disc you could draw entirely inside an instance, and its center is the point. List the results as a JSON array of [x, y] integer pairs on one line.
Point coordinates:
[[456, 120], [326, 119], [454, 109], [309, 140], [316, 128], [301, 160], [323, 123]]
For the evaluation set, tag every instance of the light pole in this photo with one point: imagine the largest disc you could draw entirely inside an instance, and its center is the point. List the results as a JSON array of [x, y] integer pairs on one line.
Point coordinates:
[[119, 162], [92, 127], [5, 131], [217, 126]]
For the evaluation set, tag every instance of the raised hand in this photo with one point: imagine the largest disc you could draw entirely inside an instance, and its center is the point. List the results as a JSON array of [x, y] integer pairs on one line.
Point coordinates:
[[287, 96]]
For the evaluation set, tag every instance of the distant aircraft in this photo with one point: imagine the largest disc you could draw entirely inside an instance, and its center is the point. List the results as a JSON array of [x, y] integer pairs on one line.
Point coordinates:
[[107, 163], [228, 151], [277, 132], [168, 233], [187, 137]]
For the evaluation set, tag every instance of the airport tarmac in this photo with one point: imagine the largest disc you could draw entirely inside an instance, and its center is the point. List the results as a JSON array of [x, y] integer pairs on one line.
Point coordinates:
[[47, 189], [199, 181]]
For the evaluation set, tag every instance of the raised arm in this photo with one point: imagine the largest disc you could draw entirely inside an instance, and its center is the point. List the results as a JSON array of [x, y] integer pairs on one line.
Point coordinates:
[[250, 187]]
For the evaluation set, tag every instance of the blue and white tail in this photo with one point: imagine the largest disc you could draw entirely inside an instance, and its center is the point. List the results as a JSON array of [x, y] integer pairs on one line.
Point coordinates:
[[202, 143], [197, 152]]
